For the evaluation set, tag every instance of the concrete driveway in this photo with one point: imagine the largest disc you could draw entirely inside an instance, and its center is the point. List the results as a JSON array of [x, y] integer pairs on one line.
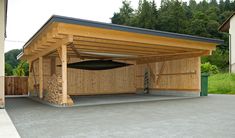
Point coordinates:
[[212, 116]]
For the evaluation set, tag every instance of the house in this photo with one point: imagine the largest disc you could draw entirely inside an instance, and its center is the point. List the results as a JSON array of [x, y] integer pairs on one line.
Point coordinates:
[[3, 13], [229, 26], [66, 56]]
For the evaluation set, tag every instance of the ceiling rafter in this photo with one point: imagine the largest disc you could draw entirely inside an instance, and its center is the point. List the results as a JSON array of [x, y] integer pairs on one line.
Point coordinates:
[[88, 31], [152, 59], [130, 48], [130, 44]]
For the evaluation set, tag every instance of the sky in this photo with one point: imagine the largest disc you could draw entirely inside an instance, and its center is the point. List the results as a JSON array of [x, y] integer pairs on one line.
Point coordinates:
[[25, 17]]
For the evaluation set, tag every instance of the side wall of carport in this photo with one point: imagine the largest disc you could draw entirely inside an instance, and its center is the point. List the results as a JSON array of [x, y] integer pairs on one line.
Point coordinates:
[[175, 77]]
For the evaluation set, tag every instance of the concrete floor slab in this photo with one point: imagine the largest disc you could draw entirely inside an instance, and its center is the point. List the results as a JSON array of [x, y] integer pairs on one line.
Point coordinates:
[[119, 99], [7, 128], [94, 100], [211, 116]]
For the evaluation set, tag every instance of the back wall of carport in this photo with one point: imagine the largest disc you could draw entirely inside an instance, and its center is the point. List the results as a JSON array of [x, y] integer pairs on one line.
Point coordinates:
[[181, 75]]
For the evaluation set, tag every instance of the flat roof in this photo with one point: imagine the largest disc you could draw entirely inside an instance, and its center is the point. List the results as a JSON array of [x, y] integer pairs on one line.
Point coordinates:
[[70, 20]]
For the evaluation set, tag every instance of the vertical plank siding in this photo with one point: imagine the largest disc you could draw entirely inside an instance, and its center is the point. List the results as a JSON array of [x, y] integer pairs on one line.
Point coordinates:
[[183, 74], [177, 75], [16, 85]]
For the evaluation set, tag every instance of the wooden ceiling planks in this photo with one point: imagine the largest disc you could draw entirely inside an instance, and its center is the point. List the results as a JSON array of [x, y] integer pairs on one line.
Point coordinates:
[[129, 44], [130, 37]]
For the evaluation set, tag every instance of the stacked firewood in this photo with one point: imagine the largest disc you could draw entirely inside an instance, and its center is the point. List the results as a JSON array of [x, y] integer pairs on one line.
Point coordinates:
[[54, 94]]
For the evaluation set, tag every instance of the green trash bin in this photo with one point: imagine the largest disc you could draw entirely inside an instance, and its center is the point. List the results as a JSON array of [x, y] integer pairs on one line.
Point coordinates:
[[204, 84]]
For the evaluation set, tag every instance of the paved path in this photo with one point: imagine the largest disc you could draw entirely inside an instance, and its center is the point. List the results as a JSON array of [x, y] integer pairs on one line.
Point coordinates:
[[212, 116], [7, 129]]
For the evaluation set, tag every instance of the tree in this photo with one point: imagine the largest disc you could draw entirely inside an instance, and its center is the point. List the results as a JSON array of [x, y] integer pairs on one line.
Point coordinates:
[[8, 69], [146, 16], [173, 17], [218, 58], [21, 69], [227, 5], [221, 5], [193, 5], [200, 19], [214, 3], [211, 28], [203, 6], [10, 57], [124, 15]]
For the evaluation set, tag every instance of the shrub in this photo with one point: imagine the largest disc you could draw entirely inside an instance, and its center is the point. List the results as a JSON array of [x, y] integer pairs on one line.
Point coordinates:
[[218, 58], [209, 68]]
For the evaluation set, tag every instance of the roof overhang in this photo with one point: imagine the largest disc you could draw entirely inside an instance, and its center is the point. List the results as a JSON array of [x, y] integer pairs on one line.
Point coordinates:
[[89, 39], [226, 24]]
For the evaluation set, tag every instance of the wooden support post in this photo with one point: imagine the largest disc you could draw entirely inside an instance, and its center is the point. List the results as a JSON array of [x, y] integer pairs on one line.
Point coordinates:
[[199, 74], [40, 77], [64, 73]]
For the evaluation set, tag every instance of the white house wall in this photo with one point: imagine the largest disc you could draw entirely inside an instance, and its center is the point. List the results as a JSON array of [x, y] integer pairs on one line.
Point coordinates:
[[232, 32], [2, 37]]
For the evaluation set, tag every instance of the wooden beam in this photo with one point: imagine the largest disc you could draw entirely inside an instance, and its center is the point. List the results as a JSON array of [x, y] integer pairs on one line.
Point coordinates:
[[137, 47], [80, 30], [117, 43], [152, 59], [126, 48], [172, 74], [87, 48], [64, 73], [174, 89], [75, 51], [85, 56], [40, 77], [50, 49]]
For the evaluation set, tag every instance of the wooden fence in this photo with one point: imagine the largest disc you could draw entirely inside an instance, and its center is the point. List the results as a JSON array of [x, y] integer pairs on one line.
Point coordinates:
[[16, 85]]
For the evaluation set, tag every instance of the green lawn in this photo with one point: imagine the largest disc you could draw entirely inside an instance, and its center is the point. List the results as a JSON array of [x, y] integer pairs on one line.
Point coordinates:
[[222, 83]]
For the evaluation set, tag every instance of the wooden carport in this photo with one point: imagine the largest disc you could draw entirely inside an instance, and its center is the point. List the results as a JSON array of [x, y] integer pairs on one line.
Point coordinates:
[[64, 38]]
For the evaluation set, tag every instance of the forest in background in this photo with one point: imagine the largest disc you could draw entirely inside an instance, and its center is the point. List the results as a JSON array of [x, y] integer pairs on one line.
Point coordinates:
[[200, 19]]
